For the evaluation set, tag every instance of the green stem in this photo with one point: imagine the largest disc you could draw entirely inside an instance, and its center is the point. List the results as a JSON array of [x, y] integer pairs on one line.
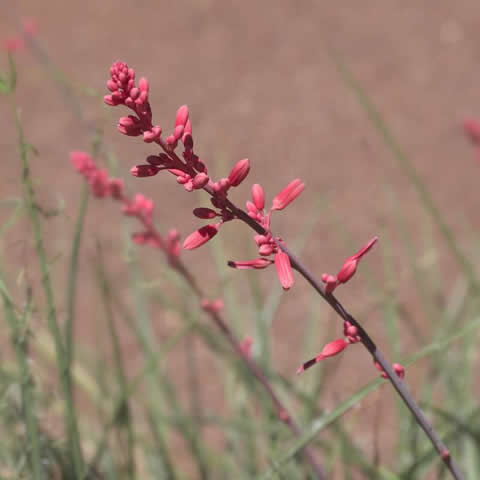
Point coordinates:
[[72, 277], [62, 359], [19, 334]]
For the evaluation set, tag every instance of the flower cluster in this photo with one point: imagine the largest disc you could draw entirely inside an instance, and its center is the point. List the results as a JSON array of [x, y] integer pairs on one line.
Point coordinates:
[[472, 130], [351, 336], [191, 172], [140, 207], [267, 244]]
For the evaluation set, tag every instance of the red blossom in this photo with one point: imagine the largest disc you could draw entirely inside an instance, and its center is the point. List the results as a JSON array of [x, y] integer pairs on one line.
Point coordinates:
[[329, 350], [239, 172], [350, 266], [284, 270], [288, 194]]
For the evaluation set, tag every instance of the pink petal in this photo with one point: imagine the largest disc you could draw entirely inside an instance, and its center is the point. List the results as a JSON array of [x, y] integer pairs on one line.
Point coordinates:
[[200, 236], [288, 194], [284, 270]]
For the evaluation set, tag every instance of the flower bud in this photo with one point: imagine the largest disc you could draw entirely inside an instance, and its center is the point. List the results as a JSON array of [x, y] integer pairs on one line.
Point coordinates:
[[144, 170], [204, 213], [258, 196], [239, 172], [200, 236], [200, 180]]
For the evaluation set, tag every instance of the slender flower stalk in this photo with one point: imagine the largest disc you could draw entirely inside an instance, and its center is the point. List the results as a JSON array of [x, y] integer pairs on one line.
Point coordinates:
[[191, 172]]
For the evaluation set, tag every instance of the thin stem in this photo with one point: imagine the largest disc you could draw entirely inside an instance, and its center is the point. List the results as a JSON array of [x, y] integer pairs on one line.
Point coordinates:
[[63, 363], [367, 341], [19, 335], [252, 366], [369, 344]]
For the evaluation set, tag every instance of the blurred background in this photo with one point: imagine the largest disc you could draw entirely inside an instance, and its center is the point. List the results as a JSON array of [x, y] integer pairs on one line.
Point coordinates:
[[262, 81]]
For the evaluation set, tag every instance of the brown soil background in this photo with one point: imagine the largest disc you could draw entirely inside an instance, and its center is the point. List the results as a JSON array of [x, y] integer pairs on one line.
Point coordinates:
[[260, 84]]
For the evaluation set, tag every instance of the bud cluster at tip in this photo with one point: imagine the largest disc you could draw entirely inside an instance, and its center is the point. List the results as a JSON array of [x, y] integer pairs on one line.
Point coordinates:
[[189, 170]]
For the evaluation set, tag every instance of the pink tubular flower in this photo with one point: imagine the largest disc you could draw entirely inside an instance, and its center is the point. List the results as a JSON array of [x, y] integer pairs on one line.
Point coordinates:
[[200, 236], [284, 270], [350, 266], [257, 264], [348, 269], [258, 196], [329, 350], [239, 172], [288, 194]]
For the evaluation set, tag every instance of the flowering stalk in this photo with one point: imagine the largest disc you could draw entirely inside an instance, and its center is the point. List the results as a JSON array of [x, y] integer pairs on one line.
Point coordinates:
[[191, 172], [140, 207]]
